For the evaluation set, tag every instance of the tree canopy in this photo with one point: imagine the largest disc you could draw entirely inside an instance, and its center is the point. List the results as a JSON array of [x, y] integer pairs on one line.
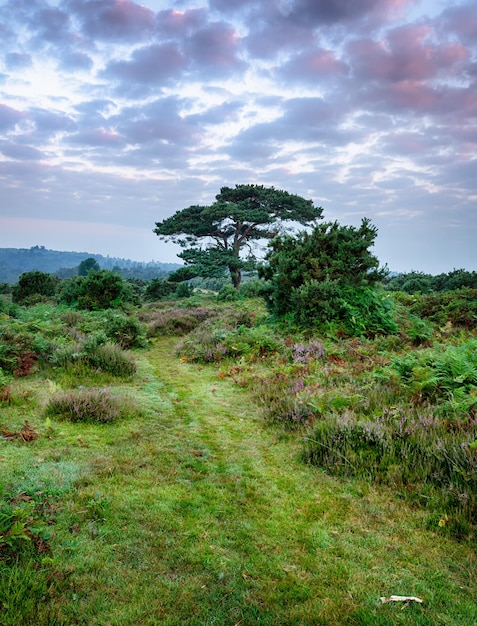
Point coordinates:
[[221, 237]]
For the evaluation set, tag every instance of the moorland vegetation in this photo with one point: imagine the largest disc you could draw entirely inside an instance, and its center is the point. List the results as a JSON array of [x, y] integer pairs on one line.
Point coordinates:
[[284, 452]]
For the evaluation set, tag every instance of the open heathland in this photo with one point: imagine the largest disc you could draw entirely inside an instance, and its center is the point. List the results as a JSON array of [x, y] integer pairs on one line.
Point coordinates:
[[197, 462]]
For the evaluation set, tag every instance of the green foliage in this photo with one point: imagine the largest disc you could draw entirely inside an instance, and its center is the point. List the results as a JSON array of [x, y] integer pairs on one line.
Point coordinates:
[[124, 330], [159, 289], [418, 282], [228, 293], [184, 290], [20, 528], [446, 375], [88, 405], [111, 359], [208, 344], [88, 265], [457, 307], [101, 289], [238, 218], [415, 454], [97, 354], [327, 276], [254, 288], [32, 287]]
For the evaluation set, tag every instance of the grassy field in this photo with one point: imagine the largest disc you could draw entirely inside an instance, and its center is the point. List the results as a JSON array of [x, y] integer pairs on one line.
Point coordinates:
[[195, 509]]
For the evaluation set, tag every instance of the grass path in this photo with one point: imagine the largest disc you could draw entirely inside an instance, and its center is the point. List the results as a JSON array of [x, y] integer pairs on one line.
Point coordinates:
[[203, 515]]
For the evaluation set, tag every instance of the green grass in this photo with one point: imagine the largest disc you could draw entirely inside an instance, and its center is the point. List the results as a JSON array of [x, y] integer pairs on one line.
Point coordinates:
[[193, 511]]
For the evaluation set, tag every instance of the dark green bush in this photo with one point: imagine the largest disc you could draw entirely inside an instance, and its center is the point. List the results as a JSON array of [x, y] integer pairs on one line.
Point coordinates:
[[33, 286], [101, 289], [159, 289]]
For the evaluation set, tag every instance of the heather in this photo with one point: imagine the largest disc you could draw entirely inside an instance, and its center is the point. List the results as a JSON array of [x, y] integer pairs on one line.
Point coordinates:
[[213, 462]]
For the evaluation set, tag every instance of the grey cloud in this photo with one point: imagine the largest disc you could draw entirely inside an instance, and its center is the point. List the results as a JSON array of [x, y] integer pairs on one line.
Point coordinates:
[[159, 120], [217, 114], [52, 24], [101, 137], [50, 121], [178, 24], [20, 152], [233, 6], [336, 11], [311, 66], [9, 117], [460, 20], [154, 64], [17, 60], [115, 20], [75, 60], [215, 48], [95, 109], [268, 37], [306, 120]]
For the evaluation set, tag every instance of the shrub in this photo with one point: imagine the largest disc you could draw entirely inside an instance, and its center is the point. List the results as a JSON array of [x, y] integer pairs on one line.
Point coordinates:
[[228, 293], [458, 307], [354, 311], [159, 288], [174, 321], [124, 330], [441, 374], [95, 352], [252, 288], [88, 405], [208, 344], [110, 358], [411, 451], [101, 289], [32, 286]]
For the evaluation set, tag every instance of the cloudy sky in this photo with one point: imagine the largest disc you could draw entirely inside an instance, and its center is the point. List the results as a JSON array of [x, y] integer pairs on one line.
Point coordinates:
[[114, 114]]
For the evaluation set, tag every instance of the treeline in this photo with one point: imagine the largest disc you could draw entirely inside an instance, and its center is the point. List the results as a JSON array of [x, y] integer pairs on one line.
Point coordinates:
[[418, 282], [16, 261]]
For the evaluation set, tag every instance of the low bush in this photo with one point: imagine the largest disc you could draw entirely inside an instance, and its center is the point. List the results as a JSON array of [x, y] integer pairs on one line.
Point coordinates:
[[33, 287], [88, 405], [443, 374], [458, 307], [208, 344], [174, 321], [95, 353], [414, 452], [124, 330], [110, 358]]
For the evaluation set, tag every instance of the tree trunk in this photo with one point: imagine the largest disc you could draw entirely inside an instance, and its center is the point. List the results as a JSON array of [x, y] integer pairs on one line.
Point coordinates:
[[236, 276]]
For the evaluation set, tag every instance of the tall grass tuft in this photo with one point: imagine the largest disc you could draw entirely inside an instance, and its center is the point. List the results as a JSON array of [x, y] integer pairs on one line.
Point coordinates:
[[88, 405]]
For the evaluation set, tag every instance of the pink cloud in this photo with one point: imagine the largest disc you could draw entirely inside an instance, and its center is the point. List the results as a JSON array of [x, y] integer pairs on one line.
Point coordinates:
[[406, 55], [313, 64]]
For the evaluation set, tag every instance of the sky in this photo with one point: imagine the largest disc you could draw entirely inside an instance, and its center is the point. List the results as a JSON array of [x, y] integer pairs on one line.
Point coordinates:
[[115, 114]]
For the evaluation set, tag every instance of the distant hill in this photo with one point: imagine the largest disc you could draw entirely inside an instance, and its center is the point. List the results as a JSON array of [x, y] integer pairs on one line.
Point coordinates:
[[15, 261]]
